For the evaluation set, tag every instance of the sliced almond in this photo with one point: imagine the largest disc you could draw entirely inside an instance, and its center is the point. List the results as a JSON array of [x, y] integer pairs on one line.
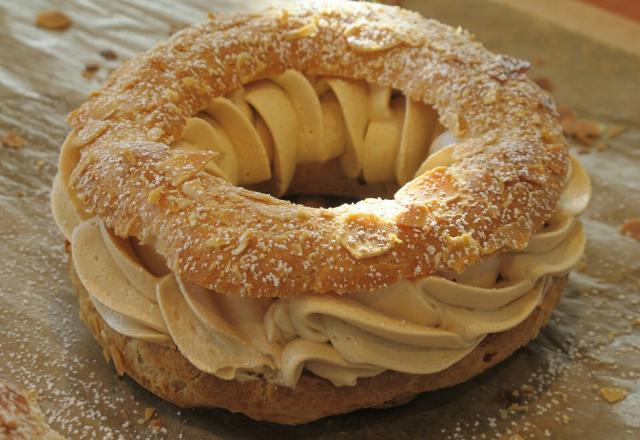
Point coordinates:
[[367, 235], [206, 135]]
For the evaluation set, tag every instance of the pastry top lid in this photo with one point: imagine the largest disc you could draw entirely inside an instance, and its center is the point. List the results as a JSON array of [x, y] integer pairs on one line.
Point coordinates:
[[501, 182]]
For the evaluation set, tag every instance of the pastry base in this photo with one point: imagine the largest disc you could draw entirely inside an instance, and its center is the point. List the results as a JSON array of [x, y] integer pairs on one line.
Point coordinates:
[[166, 373]]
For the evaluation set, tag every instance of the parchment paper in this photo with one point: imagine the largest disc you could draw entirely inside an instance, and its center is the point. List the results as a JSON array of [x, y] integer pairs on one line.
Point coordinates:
[[550, 388]]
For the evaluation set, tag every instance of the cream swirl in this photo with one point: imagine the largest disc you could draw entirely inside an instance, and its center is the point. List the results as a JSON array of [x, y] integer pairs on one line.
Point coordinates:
[[415, 327], [266, 128], [419, 327], [262, 132]]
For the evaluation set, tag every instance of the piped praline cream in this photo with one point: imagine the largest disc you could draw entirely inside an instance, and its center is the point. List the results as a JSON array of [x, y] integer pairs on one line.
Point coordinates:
[[262, 132]]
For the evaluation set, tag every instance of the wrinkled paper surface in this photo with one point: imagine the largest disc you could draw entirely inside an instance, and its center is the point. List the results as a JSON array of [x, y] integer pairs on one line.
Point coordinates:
[[551, 387]]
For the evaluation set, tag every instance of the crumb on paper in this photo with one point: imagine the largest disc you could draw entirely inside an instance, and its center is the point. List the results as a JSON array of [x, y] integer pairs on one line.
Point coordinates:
[[53, 20], [527, 390], [631, 228], [544, 83], [613, 394], [108, 54], [539, 61], [157, 425], [590, 134], [565, 112], [635, 322], [149, 412], [90, 70], [614, 130], [585, 131], [11, 139]]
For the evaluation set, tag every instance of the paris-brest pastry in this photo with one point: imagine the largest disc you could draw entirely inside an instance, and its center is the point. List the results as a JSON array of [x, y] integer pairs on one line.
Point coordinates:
[[205, 285]]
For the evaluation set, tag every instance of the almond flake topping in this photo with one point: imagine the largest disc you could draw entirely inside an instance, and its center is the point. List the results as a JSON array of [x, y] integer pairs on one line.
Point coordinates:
[[367, 235]]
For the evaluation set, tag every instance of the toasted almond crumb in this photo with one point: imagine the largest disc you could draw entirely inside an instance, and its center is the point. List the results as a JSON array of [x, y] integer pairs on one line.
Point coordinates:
[[53, 20], [154, 134], [600, 145], [518, 408], [215, 242], [539, 61], [367, 235], [13, 140], [565, 112], [296, 249], [105, 355], [149, 412], [283, 18], [156, 424], [613, 394], [565, 419], [154, 195], [364, 39], [108, 54], [631, 228], [491, 96], [194, 218], [544, 83], [308, 30], [635, 322], [90, 70], [243, 242], [583, 150], [91, 131], [527, 390], [118, 362], [172, 95], [614, 130], [189, 81], [584, 130], [242, 60], [177, 204]]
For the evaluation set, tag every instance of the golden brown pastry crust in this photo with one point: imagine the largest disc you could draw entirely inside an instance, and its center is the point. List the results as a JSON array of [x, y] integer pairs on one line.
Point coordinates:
[[505, 180], [166, 373]]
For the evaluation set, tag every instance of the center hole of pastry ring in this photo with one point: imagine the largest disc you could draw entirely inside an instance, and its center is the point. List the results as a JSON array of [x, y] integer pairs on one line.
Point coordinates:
[[316, 140]]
